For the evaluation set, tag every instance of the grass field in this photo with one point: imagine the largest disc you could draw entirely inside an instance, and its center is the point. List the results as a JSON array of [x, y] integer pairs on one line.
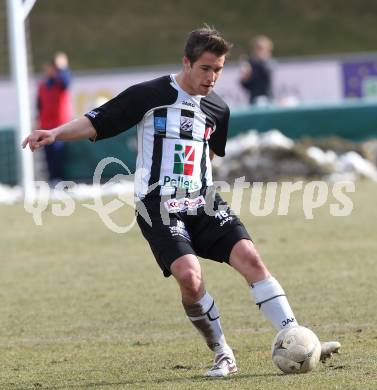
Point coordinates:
[[133, 33], [85, 308]]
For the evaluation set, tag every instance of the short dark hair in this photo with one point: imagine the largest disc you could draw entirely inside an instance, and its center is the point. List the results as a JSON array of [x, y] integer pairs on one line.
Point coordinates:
[[205, 39]]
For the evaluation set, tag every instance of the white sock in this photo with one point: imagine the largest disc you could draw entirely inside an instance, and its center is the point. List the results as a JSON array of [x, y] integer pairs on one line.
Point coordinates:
[[271, 299], [206, 318]]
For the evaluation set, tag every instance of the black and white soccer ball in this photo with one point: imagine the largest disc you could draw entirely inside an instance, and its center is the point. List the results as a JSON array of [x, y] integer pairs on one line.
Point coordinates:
[[296, 350]]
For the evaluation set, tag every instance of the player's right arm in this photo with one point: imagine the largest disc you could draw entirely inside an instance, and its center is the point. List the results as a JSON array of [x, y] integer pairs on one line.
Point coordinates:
[[77, 129]]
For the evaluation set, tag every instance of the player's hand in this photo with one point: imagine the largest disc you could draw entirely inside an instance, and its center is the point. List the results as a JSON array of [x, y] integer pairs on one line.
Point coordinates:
[[38, 138]]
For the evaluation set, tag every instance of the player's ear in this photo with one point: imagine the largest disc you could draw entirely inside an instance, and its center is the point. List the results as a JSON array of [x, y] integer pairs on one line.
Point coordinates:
[[186, 64]]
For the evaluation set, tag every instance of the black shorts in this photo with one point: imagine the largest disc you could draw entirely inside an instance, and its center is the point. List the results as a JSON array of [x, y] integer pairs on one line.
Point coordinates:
[[209, 232]]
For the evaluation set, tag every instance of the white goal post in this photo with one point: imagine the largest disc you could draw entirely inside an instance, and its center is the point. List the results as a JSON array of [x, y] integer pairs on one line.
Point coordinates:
[[17, 12]]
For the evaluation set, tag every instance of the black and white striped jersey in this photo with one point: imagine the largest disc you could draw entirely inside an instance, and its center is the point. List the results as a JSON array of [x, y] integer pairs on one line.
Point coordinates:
[[175, 132]]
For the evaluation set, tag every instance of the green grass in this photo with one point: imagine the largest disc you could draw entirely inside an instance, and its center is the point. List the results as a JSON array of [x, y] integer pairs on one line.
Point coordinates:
[[128, 33], [116, 34], [85, 308]]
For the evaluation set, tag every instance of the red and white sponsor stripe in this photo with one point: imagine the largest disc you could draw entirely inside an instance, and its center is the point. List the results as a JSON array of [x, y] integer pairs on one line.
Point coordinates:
[[184, 204]]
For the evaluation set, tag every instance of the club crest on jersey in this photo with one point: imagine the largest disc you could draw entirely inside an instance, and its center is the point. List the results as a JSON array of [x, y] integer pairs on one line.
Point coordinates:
[[184, 157], [187, 124]]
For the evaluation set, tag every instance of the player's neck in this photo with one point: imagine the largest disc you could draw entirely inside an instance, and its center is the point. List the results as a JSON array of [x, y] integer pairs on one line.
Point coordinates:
[[184, 84]]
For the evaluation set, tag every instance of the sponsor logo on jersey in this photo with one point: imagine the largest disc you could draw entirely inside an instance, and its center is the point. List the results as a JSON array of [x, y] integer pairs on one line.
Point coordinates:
[[184, 157], [177, 205], [160, 123], [187, 124], [190, 104], [181, 182], [93, 113]]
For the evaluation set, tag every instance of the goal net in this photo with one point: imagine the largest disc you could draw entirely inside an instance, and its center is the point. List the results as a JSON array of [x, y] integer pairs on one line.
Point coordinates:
[[16, 166], [8, 163]]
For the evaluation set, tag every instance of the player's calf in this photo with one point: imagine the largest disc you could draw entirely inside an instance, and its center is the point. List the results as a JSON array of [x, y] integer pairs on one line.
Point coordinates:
[[205, 316]]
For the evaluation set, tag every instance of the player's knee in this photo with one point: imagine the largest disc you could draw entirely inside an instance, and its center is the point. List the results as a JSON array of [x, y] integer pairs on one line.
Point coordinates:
[[191, 281], [253, 259], [247, 260]]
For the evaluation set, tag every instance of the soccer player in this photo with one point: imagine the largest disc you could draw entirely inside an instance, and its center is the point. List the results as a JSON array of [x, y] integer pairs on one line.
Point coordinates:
[[182, 123]]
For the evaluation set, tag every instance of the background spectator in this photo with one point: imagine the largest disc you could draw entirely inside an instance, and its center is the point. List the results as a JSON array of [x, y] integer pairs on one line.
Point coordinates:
[[54, 109], [257, 69]]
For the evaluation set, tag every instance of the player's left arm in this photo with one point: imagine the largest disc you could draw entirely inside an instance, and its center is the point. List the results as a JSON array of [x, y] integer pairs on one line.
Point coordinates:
[[219, 137]]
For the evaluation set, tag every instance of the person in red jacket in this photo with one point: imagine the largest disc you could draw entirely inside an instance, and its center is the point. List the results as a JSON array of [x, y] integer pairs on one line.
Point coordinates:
[[54, 109]]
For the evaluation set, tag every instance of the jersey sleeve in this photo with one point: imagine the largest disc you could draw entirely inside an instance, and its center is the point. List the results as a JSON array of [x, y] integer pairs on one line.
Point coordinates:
[[218, 139], [216, 109], [120, 113]]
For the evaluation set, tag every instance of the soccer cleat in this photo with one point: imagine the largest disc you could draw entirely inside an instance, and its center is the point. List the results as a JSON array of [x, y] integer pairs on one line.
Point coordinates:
[[223, 365], [328, 348]]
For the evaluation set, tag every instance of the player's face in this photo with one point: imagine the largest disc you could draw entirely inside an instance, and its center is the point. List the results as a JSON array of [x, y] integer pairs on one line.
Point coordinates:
[[201, 76]]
